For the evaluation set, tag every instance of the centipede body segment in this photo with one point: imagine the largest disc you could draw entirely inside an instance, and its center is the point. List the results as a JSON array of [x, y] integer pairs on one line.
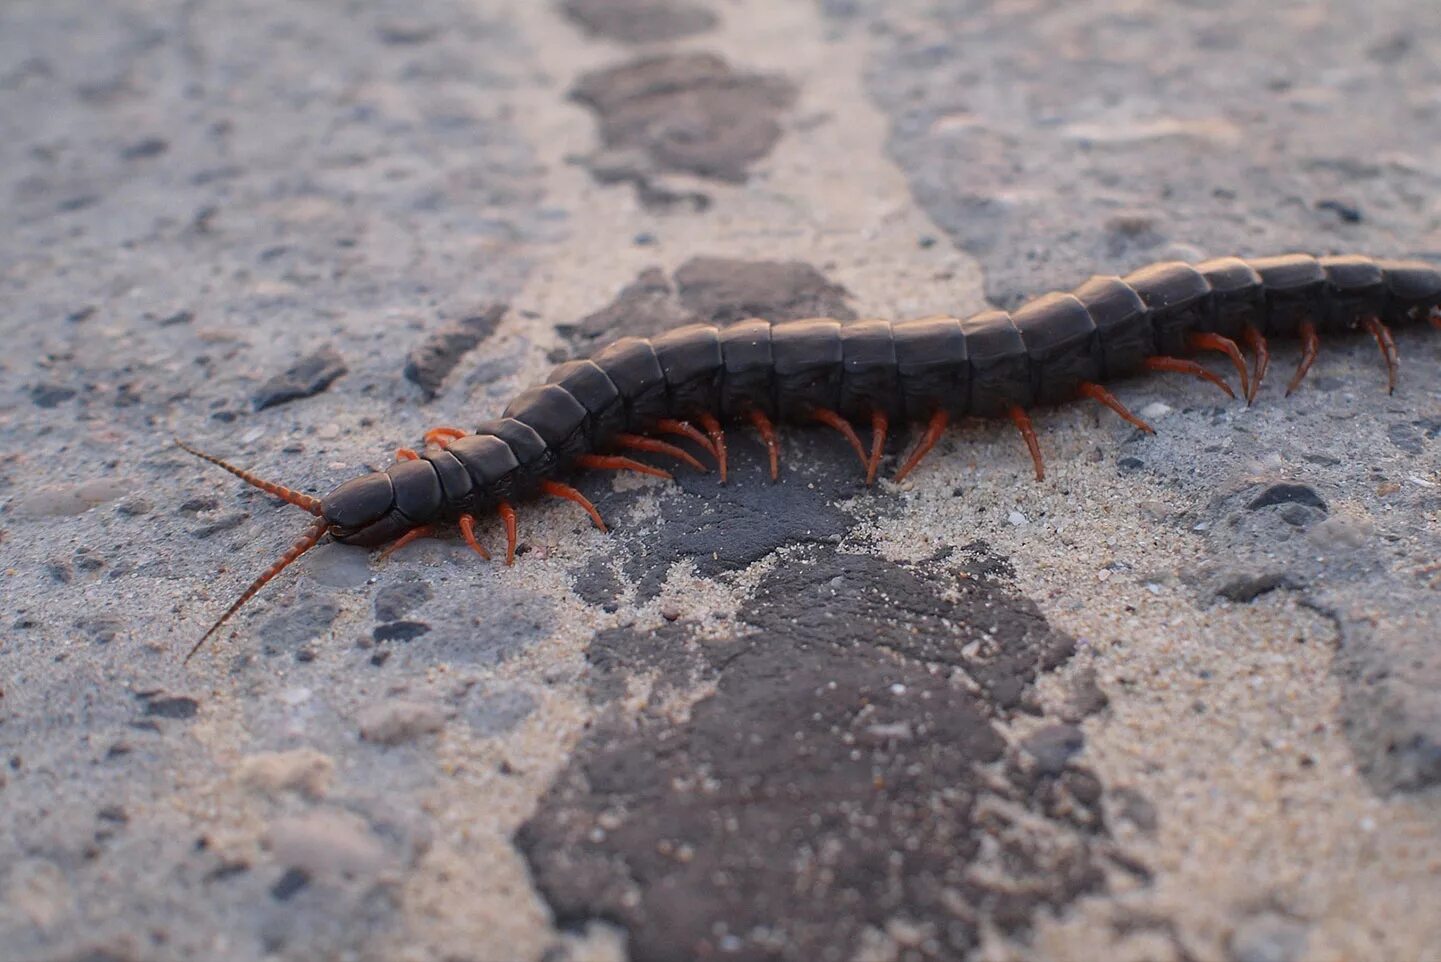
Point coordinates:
[[689, 383]]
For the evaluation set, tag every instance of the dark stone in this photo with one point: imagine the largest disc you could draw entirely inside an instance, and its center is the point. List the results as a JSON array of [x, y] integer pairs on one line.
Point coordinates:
[[1248, 586], [399, 32], [1130, 464], [431, 362], [233, 520], [290, 883], [1053, 747], [307, 378], [831, 782], [684, 112], [394, 601], [199, 504], [50, 395], [177, 706], [639, 21], [1347, 213], [145, 149], [1288, 494], [400, 631]]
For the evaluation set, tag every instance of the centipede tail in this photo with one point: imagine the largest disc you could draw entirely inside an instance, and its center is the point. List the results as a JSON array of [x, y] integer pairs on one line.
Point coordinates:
[[688, 384]]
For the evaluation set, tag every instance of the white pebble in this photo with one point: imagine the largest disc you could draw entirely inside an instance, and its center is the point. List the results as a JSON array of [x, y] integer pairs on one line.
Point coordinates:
[[1155, 410], [1017, 519]]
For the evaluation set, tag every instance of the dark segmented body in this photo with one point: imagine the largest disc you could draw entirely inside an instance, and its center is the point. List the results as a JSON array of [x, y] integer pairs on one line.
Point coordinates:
[[979, 366]]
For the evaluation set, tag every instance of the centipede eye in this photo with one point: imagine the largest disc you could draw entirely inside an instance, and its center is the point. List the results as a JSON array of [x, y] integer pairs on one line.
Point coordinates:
[[303, 501]]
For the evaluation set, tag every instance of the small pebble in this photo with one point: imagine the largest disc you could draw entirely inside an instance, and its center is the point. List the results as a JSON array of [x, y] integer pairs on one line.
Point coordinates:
[[398, 721], [300, 770], [328, 843], [1016, 518]]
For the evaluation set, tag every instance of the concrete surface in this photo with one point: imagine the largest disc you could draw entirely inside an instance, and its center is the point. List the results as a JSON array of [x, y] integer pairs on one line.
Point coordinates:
[[1178, 702]]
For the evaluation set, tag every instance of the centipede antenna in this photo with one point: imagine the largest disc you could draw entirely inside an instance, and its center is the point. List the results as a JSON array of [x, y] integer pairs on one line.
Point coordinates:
[[312, 537], [304, 501]]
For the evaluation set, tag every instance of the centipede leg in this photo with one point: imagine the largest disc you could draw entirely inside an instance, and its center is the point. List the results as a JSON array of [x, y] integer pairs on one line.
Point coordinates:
[[1097, 393], [557, 490], [1228, 347], [718, 441], [1179, 365], [1434, 316], [443, 436], [1384, 341], [880, 424], [935, 427], [507, 518], [833, 420], [612, 462], [686, 430], [414, 534], [406, 454], [768, 435], [1256, 341], [1310, 347], [638, 442], [1022, 421], [467, 531]]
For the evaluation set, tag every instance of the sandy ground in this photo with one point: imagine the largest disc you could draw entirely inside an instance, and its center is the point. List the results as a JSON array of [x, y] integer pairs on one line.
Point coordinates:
[[1179, 701]]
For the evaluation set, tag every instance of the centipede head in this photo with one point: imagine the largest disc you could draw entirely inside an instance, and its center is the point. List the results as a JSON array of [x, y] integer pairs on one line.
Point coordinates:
[[308, 540]]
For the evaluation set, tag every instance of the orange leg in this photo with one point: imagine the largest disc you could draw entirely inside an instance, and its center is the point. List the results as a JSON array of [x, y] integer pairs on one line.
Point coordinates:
[[717, 440], [832, 419], [1097, 393], [934, 429], [1215, 342], [1256, 341], [1022, 422], [1182, 366], [1382, 334], [557, 490], [880, 424], [638, 443], [406, 454], [1310, 347], [507, 517], [310, 539], [1434, 316], [414, 534], [686, 430], [610, 462], [768, 435], [443, 436], [467, 531]]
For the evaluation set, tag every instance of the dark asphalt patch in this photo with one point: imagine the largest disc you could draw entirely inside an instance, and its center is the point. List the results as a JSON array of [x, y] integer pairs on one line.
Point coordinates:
[[688, 113], [711, 290], [639, 21], [846, 781]]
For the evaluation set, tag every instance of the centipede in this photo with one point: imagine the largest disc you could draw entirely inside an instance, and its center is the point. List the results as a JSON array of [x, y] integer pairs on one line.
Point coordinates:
[[649, 396]]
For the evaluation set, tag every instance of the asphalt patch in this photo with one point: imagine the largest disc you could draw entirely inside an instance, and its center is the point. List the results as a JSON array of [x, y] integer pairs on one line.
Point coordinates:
[[711, 290], [639, 21], [686, 113], [845, 783]]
